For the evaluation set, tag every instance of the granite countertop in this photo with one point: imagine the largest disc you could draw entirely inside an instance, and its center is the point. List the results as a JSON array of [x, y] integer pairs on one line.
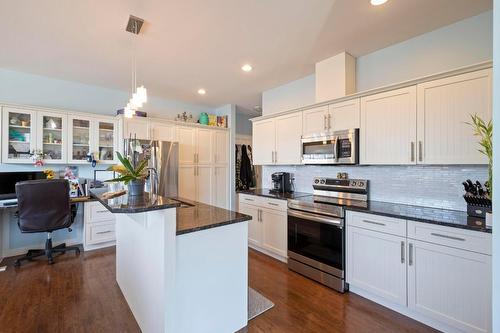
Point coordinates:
[[134, 204], [268, 193], [195, 216], [445, 217]]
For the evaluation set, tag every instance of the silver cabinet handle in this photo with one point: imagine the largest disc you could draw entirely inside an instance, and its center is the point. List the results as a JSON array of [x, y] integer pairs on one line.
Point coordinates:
[[275, 157], [373, 222], [410, 254], [412, 153], [329, 121], [420, 152], [194, 157], [449, 237], [102, 211], [103, 232], [258, 215], [247, 199], [324, 122], [402, 252], [272, 204]]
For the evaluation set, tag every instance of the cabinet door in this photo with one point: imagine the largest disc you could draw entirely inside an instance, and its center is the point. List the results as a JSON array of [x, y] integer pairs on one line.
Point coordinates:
[[221, 187], [288, 134], [254, 226], [204, 146], [264, 142], [344, 115], [204, 183], [162, 131], [18, 135], [106, 141], [79, 139], [450, 285], [52, 136], [274, 231], [444, 109], [315, 120], [376, 262], [187, 182], [388, 127], [136, 128], [221, 149], [187, 144]]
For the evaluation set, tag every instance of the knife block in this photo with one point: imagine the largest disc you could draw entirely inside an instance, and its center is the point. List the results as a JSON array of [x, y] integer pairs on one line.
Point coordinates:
[[477, 206]]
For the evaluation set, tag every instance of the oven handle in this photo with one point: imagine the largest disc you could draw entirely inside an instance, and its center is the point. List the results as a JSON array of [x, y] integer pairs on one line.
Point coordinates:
[[316, 218]]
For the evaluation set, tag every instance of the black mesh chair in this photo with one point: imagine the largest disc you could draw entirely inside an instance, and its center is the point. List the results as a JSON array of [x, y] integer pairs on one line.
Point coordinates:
[[44, 206]]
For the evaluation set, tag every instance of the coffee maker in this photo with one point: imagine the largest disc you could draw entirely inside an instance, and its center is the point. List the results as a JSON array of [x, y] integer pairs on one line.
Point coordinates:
[[281, 182]]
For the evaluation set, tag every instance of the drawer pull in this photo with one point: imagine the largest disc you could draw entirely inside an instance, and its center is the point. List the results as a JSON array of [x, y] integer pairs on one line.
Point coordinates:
[[103, 232], [373, 222], [247, 199], [449, 237], [410, 254], [102, 211], [402, 252], [272, 204]]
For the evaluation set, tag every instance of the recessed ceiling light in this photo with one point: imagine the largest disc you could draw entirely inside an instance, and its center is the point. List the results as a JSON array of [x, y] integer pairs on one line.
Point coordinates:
[[201, 91], [246, 68], [377, 2]]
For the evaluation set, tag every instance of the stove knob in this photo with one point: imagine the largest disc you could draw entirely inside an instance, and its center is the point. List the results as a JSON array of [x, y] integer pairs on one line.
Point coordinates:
[[353, 183], [316, 181], [361, 184], [322, 181]]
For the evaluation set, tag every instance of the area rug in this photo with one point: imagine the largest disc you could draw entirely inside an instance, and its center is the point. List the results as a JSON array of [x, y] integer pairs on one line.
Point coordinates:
[[257, 304]]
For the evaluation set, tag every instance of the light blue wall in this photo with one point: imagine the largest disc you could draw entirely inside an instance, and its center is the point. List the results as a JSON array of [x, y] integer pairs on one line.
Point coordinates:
[[243, 124], [496, 168], [289, 96]]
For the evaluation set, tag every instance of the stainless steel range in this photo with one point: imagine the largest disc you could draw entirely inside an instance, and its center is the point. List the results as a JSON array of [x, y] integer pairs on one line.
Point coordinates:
[[316, 238]]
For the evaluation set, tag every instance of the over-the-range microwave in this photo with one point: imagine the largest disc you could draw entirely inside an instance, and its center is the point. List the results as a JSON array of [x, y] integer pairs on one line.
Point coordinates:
[[341, 147]]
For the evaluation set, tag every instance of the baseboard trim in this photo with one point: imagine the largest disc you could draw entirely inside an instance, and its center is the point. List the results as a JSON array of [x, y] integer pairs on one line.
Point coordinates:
[[268, 253]]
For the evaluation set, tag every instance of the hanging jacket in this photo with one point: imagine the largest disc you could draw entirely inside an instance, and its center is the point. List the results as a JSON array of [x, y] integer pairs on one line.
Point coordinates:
[[245, 168]]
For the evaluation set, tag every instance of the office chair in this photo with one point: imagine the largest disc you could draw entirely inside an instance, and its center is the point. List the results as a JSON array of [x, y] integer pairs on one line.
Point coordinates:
[[44, 206]]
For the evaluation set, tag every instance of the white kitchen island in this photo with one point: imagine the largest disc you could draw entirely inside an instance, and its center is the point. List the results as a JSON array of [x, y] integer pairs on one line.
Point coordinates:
[[181, 269]]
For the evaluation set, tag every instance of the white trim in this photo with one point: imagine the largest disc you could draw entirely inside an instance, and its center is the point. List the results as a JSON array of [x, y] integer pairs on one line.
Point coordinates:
[[404, 84], [268, 253]]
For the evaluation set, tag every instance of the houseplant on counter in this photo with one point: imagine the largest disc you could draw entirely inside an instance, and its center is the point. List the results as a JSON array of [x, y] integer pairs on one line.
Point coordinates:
[[484, 130], [134, 178]]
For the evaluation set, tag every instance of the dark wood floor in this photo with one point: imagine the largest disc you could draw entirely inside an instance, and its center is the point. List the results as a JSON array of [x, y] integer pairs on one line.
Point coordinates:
[[80, 294]]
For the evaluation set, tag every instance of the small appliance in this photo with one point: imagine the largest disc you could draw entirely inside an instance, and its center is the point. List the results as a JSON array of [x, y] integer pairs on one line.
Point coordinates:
[[341, 147], [316, 234], [281, 182]]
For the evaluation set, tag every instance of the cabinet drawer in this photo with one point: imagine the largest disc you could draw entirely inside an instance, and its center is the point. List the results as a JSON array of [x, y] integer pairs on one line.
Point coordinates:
[[249, 199], [97, 212], [469, 240], [100, 232], [276, 204], [388, 225]]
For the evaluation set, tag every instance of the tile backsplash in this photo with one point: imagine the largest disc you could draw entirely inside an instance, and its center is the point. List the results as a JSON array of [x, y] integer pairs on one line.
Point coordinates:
[[433, 186]]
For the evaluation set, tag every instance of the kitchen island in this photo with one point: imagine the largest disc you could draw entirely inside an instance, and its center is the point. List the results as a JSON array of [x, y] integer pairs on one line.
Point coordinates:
[[181, 266]]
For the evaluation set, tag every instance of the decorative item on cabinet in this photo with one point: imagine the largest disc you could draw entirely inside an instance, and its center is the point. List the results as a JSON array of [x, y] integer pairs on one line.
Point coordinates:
[[203, 118]]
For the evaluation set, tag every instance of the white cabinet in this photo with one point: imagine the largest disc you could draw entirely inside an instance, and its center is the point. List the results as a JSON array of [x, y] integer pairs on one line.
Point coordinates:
[[106, 140], [450, 285], [444, 108], [187, 144], [221, 147], [204, 146], [267, 232], [204, 183], [98, 225], [376, 263], [18, 135], [187, 182], [136, 127], [263, 141], [277, 140], [221, 187], [51, 136], [344, 115], [315, 120], [162, 131], [388, 127]]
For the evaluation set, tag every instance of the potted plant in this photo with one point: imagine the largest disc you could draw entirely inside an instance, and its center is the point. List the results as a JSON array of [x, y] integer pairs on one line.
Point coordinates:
[[134, 178], [484, 130]]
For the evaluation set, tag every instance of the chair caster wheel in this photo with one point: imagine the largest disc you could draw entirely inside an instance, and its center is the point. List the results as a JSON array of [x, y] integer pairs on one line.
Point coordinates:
[[51, 262], [17, 263], [77, 251]]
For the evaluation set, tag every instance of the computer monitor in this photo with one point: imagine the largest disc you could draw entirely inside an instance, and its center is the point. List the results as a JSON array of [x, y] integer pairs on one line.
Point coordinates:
[[8, 181]]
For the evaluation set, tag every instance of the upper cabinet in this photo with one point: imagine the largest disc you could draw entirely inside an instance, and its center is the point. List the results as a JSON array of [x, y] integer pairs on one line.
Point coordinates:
[[221, 147], [107, 140], [444, 109], [334, 117], [136, 127], [187, 144], [388, 127], [52, 136], [315, 120], [162, 131], [18, 135], [277, 140], [80, 138]]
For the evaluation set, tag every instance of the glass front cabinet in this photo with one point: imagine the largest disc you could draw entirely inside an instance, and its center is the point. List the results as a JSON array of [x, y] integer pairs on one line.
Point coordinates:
[[18, 135], [52, 137]]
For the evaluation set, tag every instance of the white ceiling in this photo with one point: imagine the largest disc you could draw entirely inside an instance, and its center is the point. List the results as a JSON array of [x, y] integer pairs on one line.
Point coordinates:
[[188, 44]]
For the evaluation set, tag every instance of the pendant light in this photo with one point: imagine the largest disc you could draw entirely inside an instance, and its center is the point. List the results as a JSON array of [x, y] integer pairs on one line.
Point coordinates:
[[140, 96]]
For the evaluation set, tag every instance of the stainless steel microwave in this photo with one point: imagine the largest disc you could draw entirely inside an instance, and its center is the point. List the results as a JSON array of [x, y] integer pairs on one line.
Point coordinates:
[[340, 147]]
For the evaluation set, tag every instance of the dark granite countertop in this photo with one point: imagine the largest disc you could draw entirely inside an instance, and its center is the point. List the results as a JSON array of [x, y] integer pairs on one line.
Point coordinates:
[[134, 204], [200, 216], [265, 192], [445, 217]]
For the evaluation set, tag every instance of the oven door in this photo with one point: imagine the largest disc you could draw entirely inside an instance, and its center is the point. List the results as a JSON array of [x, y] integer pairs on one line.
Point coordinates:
[[319, 150], [316, 240]]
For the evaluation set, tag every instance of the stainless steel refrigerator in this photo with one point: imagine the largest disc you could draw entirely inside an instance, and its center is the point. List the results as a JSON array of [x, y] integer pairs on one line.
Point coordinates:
[[163, 163]]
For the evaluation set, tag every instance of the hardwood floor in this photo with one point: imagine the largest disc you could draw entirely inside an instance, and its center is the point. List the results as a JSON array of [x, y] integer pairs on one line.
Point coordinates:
[[80, 294]]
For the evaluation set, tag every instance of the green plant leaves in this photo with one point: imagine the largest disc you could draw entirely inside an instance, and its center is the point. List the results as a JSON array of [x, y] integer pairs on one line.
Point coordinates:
[[127, 171]]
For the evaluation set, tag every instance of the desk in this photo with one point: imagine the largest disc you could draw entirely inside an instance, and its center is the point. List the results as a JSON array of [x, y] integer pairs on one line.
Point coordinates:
[[71, 200]]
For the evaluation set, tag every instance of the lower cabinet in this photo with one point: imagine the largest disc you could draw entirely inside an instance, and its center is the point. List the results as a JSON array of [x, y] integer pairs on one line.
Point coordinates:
[[267, 231], [435, 274], [99, 226]]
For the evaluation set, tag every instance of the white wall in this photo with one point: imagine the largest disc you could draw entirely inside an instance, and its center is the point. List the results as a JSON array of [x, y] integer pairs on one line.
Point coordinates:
[[289, 96], [460, 44], [496, 168]]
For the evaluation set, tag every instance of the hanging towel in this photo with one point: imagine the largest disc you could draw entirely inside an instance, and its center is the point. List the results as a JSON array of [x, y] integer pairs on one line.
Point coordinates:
[[245, 168]]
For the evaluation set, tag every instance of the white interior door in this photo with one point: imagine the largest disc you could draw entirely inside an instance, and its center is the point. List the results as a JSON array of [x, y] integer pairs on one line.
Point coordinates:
[[221, 151], [450, 285], [254, 225], [205, 146], [264, 142], [274, 233], [288, 134], [376, 262], [388, 127], [444, 109], [204, 183], [344, 115], [187, 182], [315, 120], [187, 144]]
